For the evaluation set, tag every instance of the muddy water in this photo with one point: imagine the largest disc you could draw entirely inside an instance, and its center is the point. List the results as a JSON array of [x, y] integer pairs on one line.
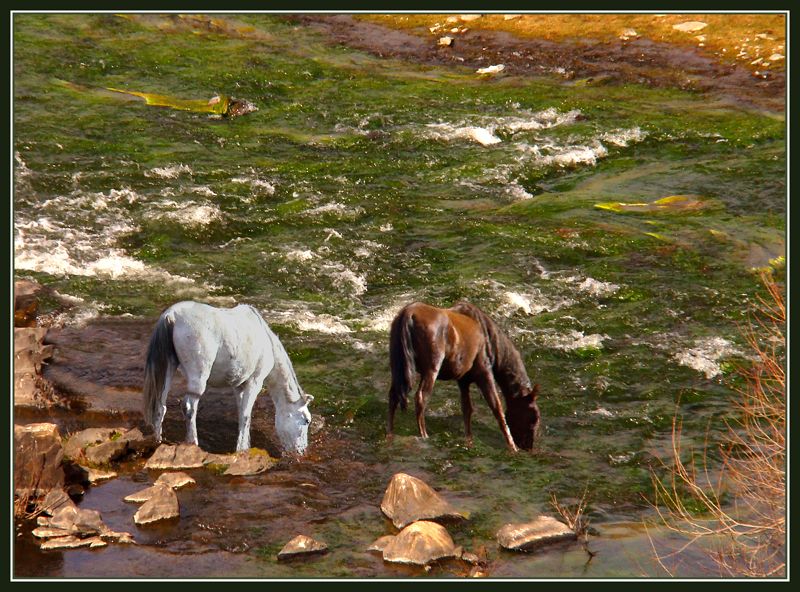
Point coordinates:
[[361, 184]]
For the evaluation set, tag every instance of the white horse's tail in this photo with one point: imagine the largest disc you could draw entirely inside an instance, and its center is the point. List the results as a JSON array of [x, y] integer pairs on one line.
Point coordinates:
[[160, 355]]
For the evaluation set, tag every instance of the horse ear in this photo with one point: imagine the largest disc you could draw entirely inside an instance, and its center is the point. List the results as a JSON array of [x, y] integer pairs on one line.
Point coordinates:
[[534, 392], [309, 398]]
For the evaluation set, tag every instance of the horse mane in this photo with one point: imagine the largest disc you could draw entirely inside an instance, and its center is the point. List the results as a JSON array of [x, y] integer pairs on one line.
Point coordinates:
[[277, 346], [507, 366]]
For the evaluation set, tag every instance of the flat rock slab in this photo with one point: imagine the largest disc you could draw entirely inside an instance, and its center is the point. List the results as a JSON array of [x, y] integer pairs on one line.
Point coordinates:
[[57, 498], [175, 480], [180, 456], [408, 499], [72, 542], [97, 475], [543, 530], [143, 495], [302, 545], [162, 505], [420, 543]]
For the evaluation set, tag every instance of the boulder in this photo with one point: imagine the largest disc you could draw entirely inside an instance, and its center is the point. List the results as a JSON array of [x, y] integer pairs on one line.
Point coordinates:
[[250, 462], [380, 544], [37, 460], [30, 389], [543, 530], [162, 505], [79, 441], [180, 456], [408, 499], [302, 545], [420, 543], [53, 501], [26, 302]]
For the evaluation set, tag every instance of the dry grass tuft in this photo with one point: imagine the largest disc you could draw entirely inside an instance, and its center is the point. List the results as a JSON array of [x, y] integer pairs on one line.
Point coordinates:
[[742, 510]]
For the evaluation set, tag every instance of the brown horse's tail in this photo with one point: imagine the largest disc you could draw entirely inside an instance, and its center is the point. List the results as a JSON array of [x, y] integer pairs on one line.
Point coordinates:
[[401, 358]]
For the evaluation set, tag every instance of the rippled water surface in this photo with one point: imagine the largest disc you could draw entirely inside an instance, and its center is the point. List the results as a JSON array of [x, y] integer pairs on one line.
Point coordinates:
[[360, 185]]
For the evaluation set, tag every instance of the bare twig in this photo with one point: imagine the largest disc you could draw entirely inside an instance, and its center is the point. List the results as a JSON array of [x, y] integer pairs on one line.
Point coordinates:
[[748, 532]]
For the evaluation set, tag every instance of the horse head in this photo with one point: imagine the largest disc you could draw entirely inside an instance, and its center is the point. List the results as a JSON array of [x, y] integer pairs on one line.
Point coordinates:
[[522, 417], [292, 427]]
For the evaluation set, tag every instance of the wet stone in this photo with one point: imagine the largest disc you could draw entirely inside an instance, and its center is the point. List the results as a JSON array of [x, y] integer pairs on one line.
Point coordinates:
[[97, 475], [72, 542], [302, 545], [106, 452], [55, 499], [162, 505], [37, 459], [408, 499], [542, 531], [77, 521], [143, 495], [420, 543], [138, 442], [380, 544], [180, 456], [175, 480], [250, 462], [80, 441]]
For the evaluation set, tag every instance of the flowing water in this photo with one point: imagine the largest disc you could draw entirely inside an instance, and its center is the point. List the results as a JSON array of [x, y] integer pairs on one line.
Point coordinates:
[[362, 184]]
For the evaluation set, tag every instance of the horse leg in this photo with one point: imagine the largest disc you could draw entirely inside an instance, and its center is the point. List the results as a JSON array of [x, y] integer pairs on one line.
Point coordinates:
[[421, 398], [190, 404], [245, 398], [488, 387], [158, 420], [466, 408]]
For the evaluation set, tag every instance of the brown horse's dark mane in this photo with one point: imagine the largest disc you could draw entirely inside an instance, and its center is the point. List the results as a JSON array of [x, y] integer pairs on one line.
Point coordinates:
[[507, 366]]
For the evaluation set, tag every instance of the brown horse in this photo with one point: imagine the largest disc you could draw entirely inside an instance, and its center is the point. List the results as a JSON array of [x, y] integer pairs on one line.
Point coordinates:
[[463, 344]]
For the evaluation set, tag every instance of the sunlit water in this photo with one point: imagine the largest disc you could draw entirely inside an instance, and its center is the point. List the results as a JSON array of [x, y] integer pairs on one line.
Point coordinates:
[[358, 186]]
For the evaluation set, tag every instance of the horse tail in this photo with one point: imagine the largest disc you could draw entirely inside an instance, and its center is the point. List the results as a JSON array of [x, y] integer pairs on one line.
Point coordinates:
[[401, 358], [160, 355]]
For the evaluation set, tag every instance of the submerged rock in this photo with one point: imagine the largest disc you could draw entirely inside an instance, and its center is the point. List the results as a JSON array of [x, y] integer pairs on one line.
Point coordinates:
[[543, 530], [180, 456], [408, 499], [420, 544], [302, 545], [162, 505]]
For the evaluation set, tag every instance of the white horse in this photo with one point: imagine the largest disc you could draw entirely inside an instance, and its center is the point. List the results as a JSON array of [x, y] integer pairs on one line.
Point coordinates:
[[224, 348]]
